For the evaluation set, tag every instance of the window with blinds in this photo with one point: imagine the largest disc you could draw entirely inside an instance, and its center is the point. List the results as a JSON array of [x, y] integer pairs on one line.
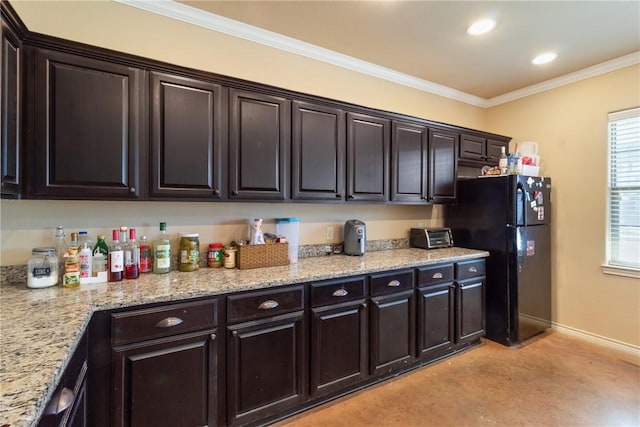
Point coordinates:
[[623, 234]]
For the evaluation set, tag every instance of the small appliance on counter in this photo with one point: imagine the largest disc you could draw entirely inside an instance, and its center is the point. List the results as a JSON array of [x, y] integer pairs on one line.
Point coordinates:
[[355, 237], [430, 238]]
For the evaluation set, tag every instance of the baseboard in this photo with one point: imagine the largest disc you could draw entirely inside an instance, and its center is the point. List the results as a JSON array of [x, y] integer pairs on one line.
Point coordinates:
[[633, 350]]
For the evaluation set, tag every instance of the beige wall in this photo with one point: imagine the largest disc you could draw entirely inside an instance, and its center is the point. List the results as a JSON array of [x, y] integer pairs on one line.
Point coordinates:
[[569, 123], [570, 126]]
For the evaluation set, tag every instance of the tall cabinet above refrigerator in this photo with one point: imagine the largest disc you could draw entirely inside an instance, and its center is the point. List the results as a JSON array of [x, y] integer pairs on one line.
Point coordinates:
[[509, 216]]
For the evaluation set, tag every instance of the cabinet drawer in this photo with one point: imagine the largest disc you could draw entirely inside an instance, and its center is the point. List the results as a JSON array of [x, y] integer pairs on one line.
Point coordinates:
[[157, 322], [386, 283], [473, 268], [255, 305], [337, 291], [435, 274]]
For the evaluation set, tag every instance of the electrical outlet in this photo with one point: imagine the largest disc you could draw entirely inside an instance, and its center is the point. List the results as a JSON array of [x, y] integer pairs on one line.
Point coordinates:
[[330, 233]]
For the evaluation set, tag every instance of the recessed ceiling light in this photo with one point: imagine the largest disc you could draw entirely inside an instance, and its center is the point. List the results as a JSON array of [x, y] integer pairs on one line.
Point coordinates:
[[481, 27], [544, 58]]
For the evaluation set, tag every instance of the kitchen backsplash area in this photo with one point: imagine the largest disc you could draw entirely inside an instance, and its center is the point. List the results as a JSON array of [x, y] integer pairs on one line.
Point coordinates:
[[26, 224]]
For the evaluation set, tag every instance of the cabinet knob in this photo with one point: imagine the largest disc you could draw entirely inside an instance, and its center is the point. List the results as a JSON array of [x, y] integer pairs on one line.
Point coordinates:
[[350, 196], [60, 402], [234, 193], [394, 283], [169, 322], [213, 336], [437, 275], [340, 293], [216, 192], [338, 196], [473, 270], [132, 189], [268, 305]]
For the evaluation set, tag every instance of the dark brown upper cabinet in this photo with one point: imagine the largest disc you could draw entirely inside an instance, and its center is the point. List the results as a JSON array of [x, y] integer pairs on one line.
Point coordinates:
[[476, 149], [259, 146], [409, 163], [443, 166], [11, 110], [368, 145], [88, 128], [188, 138], [317, 152]]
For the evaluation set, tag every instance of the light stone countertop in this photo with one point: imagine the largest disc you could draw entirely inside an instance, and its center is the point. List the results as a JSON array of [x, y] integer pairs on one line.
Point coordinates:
[[40, 328]]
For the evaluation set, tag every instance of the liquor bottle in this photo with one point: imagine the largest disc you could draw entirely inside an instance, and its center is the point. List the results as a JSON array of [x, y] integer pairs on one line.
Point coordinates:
[[74, 241], [85, 256], [503, 164], [162, 251], [131, 257], [100, 253], [62, 251], [71, 276], [146, 256], [116, 258]]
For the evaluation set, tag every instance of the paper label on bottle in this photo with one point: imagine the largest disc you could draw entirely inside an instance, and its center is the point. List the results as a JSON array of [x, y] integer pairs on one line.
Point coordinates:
[[128, 258], [163, 256], [116, 261], [85, 260]]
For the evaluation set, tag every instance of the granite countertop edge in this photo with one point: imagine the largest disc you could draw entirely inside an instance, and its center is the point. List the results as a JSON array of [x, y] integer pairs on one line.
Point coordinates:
[[55, 318]]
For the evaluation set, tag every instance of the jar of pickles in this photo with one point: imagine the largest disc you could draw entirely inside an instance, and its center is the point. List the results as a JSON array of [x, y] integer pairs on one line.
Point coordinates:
[[189, 252], [42, 268]]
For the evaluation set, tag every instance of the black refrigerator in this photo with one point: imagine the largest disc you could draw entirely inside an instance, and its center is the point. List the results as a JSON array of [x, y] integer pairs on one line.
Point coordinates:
[[510, 217]]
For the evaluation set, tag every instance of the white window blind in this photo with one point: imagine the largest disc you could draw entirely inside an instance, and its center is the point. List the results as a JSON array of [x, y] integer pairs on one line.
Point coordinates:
[[623, 234]]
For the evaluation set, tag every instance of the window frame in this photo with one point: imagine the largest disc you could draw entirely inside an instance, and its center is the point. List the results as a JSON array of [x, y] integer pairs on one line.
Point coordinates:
[[608, 267]]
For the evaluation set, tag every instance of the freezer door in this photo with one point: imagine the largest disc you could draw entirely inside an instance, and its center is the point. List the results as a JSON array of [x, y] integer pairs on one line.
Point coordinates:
[[531, 196], [533, 280]]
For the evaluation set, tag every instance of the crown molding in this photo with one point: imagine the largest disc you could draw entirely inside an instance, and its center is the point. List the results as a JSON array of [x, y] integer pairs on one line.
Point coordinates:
[[254, 34], [587, 73], [221, 24]]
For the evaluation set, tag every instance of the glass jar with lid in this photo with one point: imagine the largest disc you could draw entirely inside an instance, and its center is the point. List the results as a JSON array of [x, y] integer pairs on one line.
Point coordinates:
[[42, 268], [189, 252]]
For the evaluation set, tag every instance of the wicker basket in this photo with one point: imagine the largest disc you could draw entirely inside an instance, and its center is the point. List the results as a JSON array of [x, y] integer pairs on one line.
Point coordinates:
[[268, 255]]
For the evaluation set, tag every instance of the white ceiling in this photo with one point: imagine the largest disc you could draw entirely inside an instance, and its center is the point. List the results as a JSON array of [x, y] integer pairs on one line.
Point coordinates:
[[427, 40]]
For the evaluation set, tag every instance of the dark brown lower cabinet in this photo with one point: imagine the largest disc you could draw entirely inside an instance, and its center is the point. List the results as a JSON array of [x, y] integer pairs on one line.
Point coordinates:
[[470, 322], [436, 320], [339, 344], [266, 367], [166, 382]]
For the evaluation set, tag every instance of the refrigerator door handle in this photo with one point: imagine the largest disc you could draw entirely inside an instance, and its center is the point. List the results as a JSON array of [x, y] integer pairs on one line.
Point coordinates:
[[521, 210]]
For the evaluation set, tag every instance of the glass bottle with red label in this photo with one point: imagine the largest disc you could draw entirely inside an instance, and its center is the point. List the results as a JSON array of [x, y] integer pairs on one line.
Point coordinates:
[[116, 258]]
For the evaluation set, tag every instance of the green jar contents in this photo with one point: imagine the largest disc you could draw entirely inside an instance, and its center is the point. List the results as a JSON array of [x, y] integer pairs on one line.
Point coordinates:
[[214, 257], [189, 252]]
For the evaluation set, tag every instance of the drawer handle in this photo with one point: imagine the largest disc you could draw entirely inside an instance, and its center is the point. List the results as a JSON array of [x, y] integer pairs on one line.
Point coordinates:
[[473, 270], [340, 293], [169, 322], [60, 402], [437, 276], [394, 283], [268, 305]]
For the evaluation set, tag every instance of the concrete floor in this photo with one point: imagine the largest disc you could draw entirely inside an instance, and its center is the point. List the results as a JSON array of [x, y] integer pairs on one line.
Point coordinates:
[[553, 380]]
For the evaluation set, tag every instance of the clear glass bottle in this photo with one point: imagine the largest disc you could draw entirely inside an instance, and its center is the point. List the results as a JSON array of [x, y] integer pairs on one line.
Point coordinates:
[[116, 259], [100, 254], [62, 250], [162, 251], [146, 256], [503, 164], [131, 257]]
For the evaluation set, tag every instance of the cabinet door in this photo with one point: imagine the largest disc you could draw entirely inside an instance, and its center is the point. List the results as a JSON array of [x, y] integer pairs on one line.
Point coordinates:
[[392, 344], [338, 347], [494, 150], [259, 145], [318, 152], [409, 165], [435, 320], [11, 106], [473, 147], [266, 367], [165, 382], [367, 158], [88, 128], [187, 136], [470, 310], [443, 167]]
